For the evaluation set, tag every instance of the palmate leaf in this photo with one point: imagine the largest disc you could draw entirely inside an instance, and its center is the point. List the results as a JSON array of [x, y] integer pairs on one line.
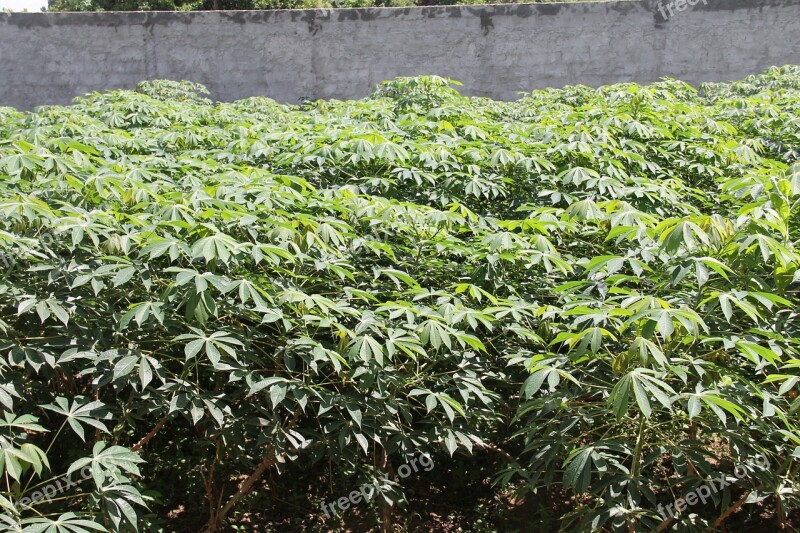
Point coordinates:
[[258, 386], [590, 338], [757, 353], [13, 461], [140, 313], [158, 246], [789, 381], [436, 334], [397, 276], [450, 406], [7, 394], [65, 523], [667, 322], [366, 348], [34, 456], [677, 233], [108, 463], [712, 400], [647, 350], [405, 342], [218, 246], [23, 422], [585, 210], [645, 385], [214, 345], [8, 518], [769, 248], [578, 468], [117, 499], [46, 309], [577, 175], [82, 411], [541, 371], [148, 366], [728, 300]]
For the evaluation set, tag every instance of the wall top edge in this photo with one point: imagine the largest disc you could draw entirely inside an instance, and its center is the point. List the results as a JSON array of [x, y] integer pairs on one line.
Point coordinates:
[[519, 9]]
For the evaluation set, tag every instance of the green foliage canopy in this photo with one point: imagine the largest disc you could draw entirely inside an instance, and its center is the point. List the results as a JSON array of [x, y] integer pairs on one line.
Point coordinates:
[[200, 5], [602, 283]]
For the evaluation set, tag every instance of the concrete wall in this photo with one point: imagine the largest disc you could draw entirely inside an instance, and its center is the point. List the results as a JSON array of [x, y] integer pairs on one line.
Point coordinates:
[[48, 58]]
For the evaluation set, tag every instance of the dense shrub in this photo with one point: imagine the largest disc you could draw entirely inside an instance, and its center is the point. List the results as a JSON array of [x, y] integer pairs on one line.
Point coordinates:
[[597, 286], [202, 5]]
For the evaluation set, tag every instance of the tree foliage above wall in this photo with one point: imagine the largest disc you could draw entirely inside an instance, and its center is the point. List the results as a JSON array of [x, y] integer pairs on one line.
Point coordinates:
[[198, 5], [173, 5]]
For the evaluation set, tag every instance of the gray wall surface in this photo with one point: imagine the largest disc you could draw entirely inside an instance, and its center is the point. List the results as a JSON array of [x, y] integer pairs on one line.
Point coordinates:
[[496, 51]]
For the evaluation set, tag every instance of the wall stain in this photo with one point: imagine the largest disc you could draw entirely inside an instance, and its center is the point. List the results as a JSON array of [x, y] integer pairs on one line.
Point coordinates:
[[550, 9], [524, 11], [368, 14], [314, 25], [346, 14], [486, 22], [238, 17]]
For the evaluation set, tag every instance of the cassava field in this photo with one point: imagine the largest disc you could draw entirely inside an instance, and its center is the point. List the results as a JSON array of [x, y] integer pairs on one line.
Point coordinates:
[[577, 311]]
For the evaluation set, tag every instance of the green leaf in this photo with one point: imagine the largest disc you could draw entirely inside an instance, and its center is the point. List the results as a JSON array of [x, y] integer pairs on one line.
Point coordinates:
[[578, 469]]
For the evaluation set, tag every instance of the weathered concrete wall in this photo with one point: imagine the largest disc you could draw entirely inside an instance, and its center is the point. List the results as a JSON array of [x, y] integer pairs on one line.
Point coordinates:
[[495, 51]]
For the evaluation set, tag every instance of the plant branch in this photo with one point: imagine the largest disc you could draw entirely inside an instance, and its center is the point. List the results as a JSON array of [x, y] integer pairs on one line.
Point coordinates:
[[153, 432], [730, 510]]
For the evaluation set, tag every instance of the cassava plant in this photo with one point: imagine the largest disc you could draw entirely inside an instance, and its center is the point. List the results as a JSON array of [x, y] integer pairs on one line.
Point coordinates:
[[598, 286]]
